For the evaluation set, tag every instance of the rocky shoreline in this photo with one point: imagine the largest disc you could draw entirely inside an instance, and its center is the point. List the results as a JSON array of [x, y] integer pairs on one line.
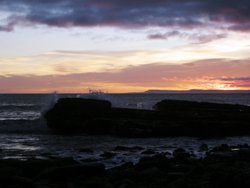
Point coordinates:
[[169, 118], [223, 166]]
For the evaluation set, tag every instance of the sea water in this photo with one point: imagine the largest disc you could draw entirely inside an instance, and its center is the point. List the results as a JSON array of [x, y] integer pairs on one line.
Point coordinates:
[[24, 134]]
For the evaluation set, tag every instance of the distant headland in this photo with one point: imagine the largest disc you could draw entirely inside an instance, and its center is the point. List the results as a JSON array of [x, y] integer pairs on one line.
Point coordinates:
[[157, 91]]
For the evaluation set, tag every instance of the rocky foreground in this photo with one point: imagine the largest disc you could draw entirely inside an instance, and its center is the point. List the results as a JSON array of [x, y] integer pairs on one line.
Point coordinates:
[[170, 118], [223, 166]]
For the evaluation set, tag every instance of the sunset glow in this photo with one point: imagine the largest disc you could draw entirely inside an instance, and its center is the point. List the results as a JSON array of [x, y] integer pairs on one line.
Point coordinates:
[[123, 46]]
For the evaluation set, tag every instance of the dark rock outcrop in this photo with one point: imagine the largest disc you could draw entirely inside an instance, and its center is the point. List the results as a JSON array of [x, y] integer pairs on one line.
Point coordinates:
[[73, 114], [170, 118], [219, 168], [169, 105]]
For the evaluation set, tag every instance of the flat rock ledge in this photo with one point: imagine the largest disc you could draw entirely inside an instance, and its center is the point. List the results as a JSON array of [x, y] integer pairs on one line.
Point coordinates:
[[169, 118]]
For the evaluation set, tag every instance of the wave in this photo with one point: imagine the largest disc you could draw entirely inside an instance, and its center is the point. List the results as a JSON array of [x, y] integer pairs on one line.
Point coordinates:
[[16, 104], [19, 115], [20, 108]]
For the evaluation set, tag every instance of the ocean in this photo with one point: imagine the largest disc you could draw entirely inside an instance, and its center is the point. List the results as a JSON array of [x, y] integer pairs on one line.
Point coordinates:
[[24, 135]]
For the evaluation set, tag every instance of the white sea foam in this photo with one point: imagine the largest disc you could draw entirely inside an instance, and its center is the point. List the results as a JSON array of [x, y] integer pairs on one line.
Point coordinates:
[[16, 105], [49, 101], [19, 115]]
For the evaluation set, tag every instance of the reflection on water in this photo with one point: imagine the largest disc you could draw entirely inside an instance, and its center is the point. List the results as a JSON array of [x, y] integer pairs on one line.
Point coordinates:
[[17, 146]]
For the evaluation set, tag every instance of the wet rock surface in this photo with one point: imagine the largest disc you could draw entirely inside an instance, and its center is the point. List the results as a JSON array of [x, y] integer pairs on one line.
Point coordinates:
[[223, 166], [170, 118], [126, 148]]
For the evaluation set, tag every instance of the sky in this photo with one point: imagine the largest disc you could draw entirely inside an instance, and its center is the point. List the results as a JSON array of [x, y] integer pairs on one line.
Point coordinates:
[[116, 46]]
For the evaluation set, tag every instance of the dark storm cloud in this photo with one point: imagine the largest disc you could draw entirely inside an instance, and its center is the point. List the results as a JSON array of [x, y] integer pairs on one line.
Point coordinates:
[[236, 79], [197, 37], [165, 35], [8, 27], [203, 38], [129, 13]]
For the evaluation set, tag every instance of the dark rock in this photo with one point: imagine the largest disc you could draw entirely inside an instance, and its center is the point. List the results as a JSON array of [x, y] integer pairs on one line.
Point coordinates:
[[148, 152], [203, 147], [160, 161], [126, 184], [123, 174], [16, 182], [243, 154], [181, 155], [221, 148], [73, 114], [86, 150], [229, 170], [172, 176], [126, 148], [89, 160], [108, 155], [169, 105], [181, 168], [167, 153], [171, 118], [127, 165], [7, 171], [31, 168], [83, 170], [244, 146], [241, 146], [151, 172], [97, 182]]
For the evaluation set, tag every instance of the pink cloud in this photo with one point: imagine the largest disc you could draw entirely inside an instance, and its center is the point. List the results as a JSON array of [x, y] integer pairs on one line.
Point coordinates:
[[194, 74]]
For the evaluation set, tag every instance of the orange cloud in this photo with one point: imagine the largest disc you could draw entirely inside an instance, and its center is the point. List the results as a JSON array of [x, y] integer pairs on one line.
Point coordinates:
[[203, 74]]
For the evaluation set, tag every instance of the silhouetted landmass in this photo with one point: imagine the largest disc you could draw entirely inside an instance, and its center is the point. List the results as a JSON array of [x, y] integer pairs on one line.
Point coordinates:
[[170, 118], [223, 166], [195, 91]]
